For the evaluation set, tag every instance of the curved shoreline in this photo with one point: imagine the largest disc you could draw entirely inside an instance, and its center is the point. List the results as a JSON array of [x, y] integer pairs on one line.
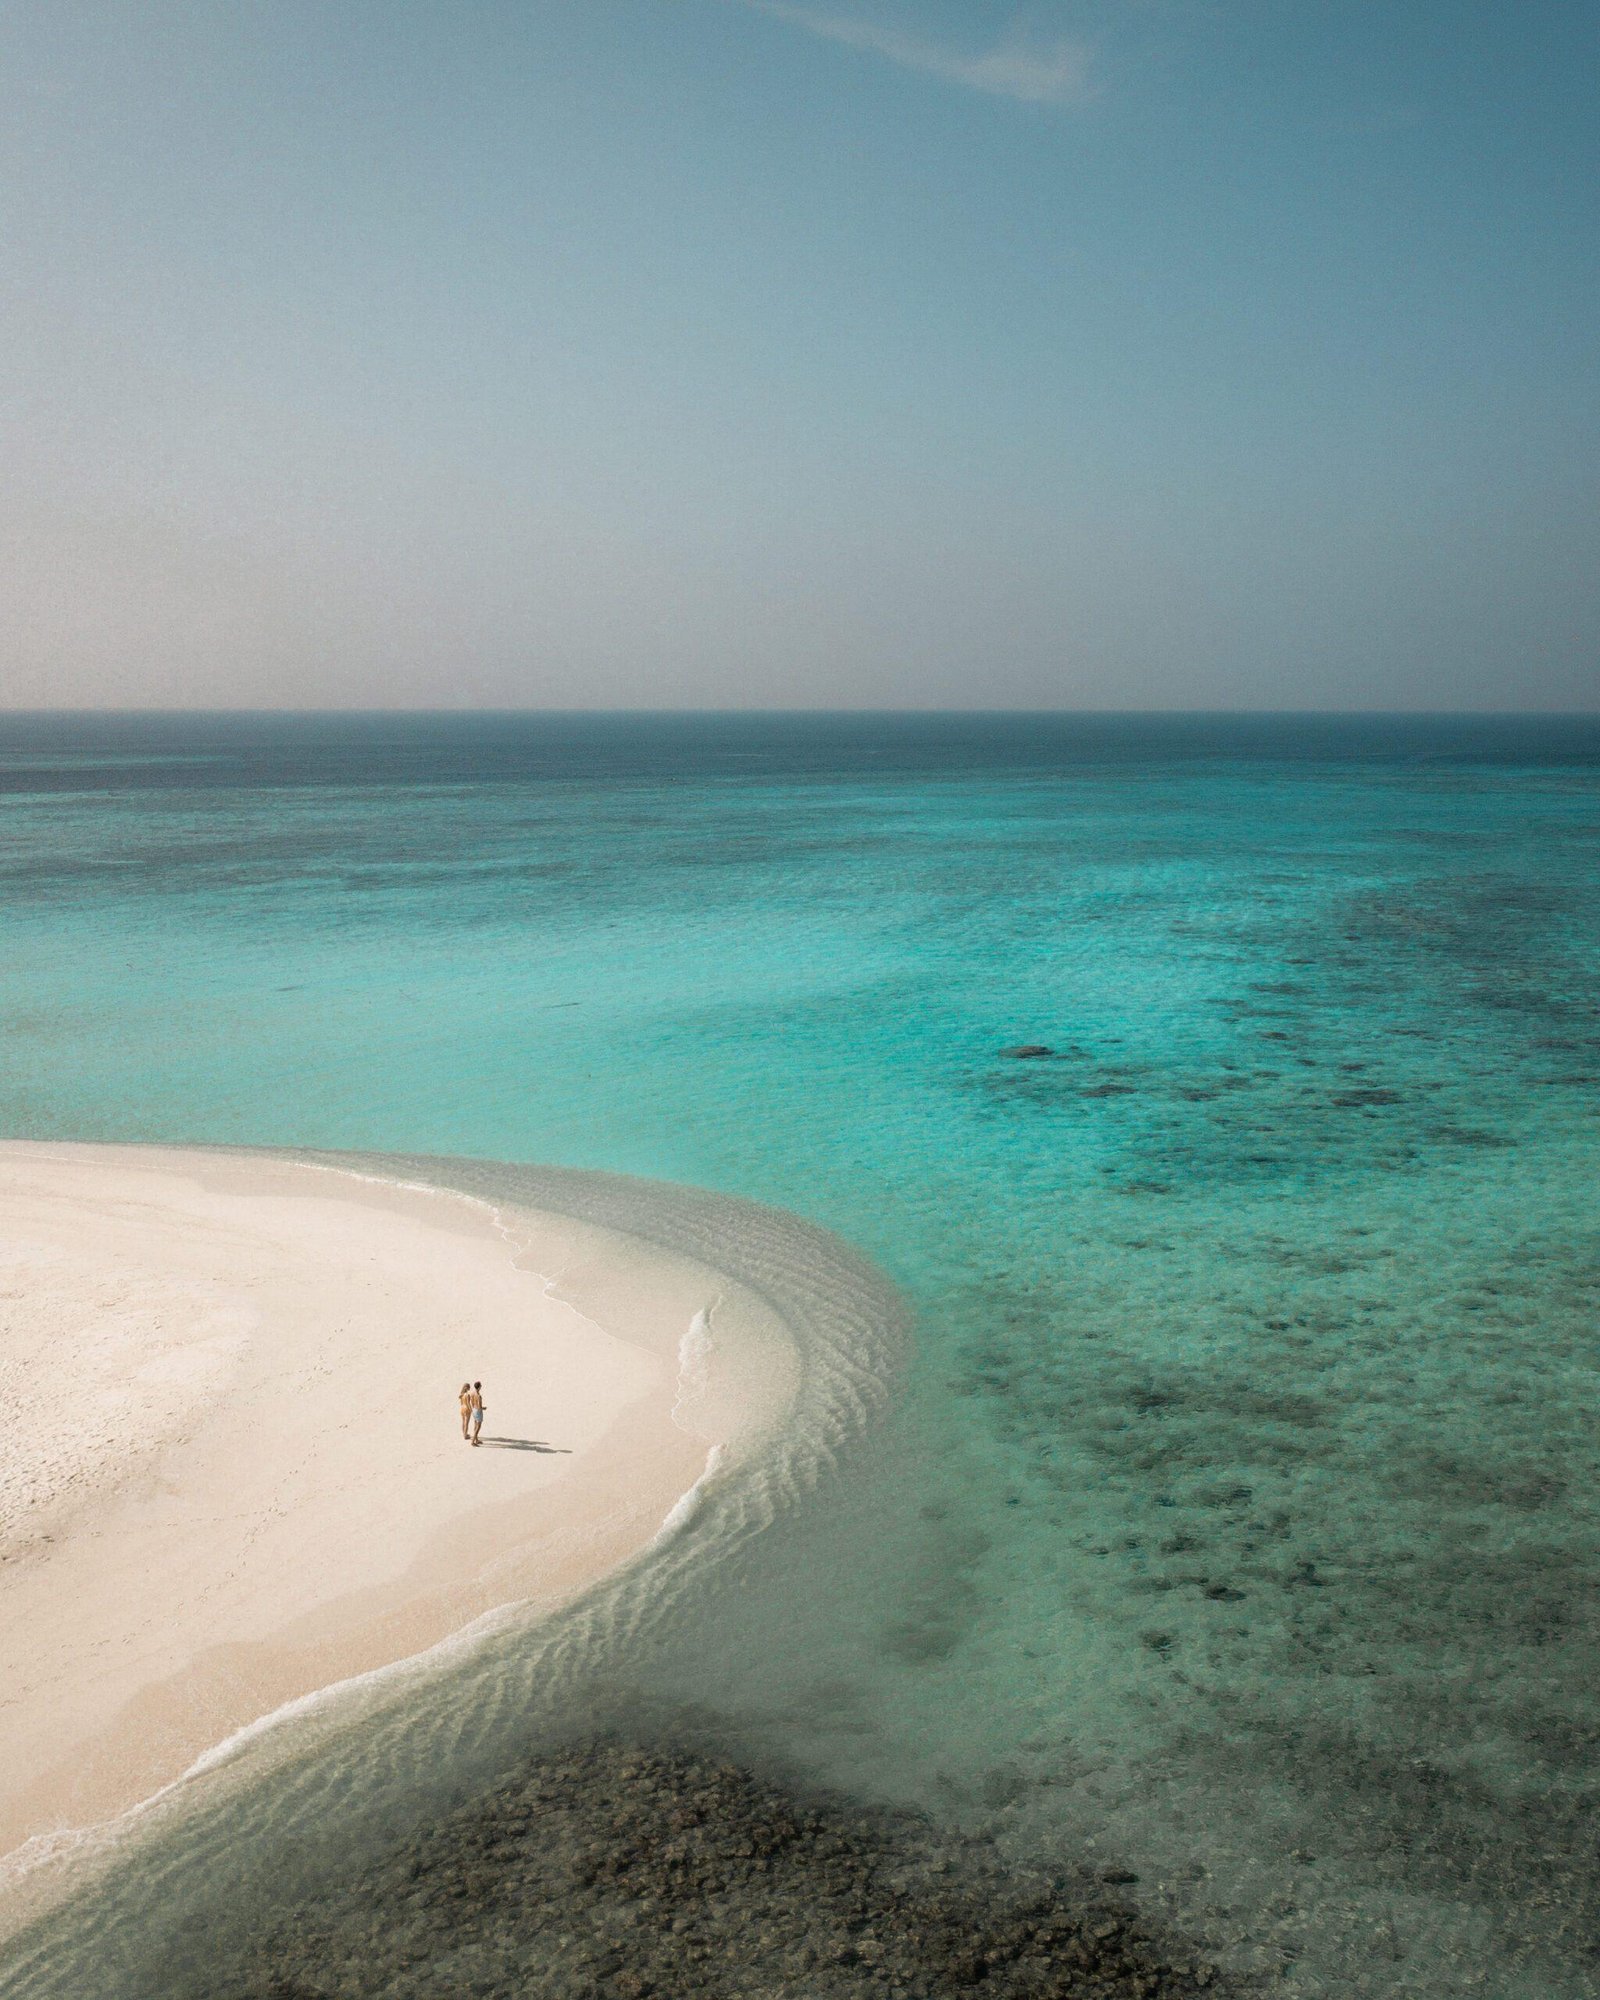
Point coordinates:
[[777, 1280], [157, 1620]]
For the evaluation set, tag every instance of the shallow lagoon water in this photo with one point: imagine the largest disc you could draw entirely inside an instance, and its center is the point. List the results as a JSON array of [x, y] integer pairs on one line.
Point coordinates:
[[1238, 1512]]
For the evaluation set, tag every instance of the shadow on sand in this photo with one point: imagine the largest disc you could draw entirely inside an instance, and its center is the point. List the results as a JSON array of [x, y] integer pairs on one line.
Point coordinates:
[[524, 1444]]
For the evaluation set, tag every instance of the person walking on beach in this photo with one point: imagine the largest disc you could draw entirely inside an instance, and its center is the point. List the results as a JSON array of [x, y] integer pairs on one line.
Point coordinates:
[[475, 1407], [466, 1411]]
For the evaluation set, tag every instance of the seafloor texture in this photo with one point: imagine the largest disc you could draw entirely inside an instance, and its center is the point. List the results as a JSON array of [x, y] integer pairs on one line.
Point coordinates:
[[1240, 1517], [612, 1868]]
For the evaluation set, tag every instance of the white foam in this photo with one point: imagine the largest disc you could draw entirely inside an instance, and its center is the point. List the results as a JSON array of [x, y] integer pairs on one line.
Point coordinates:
[[694, 1367], [687, 1506]]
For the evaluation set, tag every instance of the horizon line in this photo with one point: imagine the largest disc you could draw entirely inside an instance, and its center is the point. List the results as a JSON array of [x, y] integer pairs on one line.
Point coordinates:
[[495, 709]]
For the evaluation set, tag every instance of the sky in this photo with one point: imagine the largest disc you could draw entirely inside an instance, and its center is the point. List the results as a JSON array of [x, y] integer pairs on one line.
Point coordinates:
[[727, 353]]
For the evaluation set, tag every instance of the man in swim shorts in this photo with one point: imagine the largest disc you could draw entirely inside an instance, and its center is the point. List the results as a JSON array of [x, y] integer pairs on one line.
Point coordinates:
[[475, 1408]]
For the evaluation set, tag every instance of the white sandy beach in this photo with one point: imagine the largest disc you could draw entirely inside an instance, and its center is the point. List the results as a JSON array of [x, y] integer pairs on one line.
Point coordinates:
[[231, 1467]]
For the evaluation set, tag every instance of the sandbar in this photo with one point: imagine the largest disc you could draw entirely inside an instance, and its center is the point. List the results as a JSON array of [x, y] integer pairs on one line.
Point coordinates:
[[231, 1465]]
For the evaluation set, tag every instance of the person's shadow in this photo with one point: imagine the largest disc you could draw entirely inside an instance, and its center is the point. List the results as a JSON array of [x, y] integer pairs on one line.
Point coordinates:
[[524, 1444]]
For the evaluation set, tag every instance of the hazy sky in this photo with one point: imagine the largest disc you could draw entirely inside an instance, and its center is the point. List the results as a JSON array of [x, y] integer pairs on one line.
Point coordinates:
[[1116, 353]]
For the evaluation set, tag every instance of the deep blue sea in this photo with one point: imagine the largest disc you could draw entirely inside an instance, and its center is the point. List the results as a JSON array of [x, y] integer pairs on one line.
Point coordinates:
[[1239, 1519]]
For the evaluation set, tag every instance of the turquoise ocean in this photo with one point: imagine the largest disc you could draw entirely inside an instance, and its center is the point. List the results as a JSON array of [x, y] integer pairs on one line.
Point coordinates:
[[1236, 1517]]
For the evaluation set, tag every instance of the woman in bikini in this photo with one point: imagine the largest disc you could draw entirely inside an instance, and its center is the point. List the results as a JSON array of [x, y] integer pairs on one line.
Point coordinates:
[[466, 1410]]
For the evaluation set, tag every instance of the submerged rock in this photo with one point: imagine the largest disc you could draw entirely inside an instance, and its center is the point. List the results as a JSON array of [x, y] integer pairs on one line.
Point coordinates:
[[607, 1868]]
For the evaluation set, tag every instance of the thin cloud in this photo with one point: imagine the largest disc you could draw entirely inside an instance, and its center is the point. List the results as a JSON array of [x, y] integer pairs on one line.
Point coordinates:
[[1031, 72]]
